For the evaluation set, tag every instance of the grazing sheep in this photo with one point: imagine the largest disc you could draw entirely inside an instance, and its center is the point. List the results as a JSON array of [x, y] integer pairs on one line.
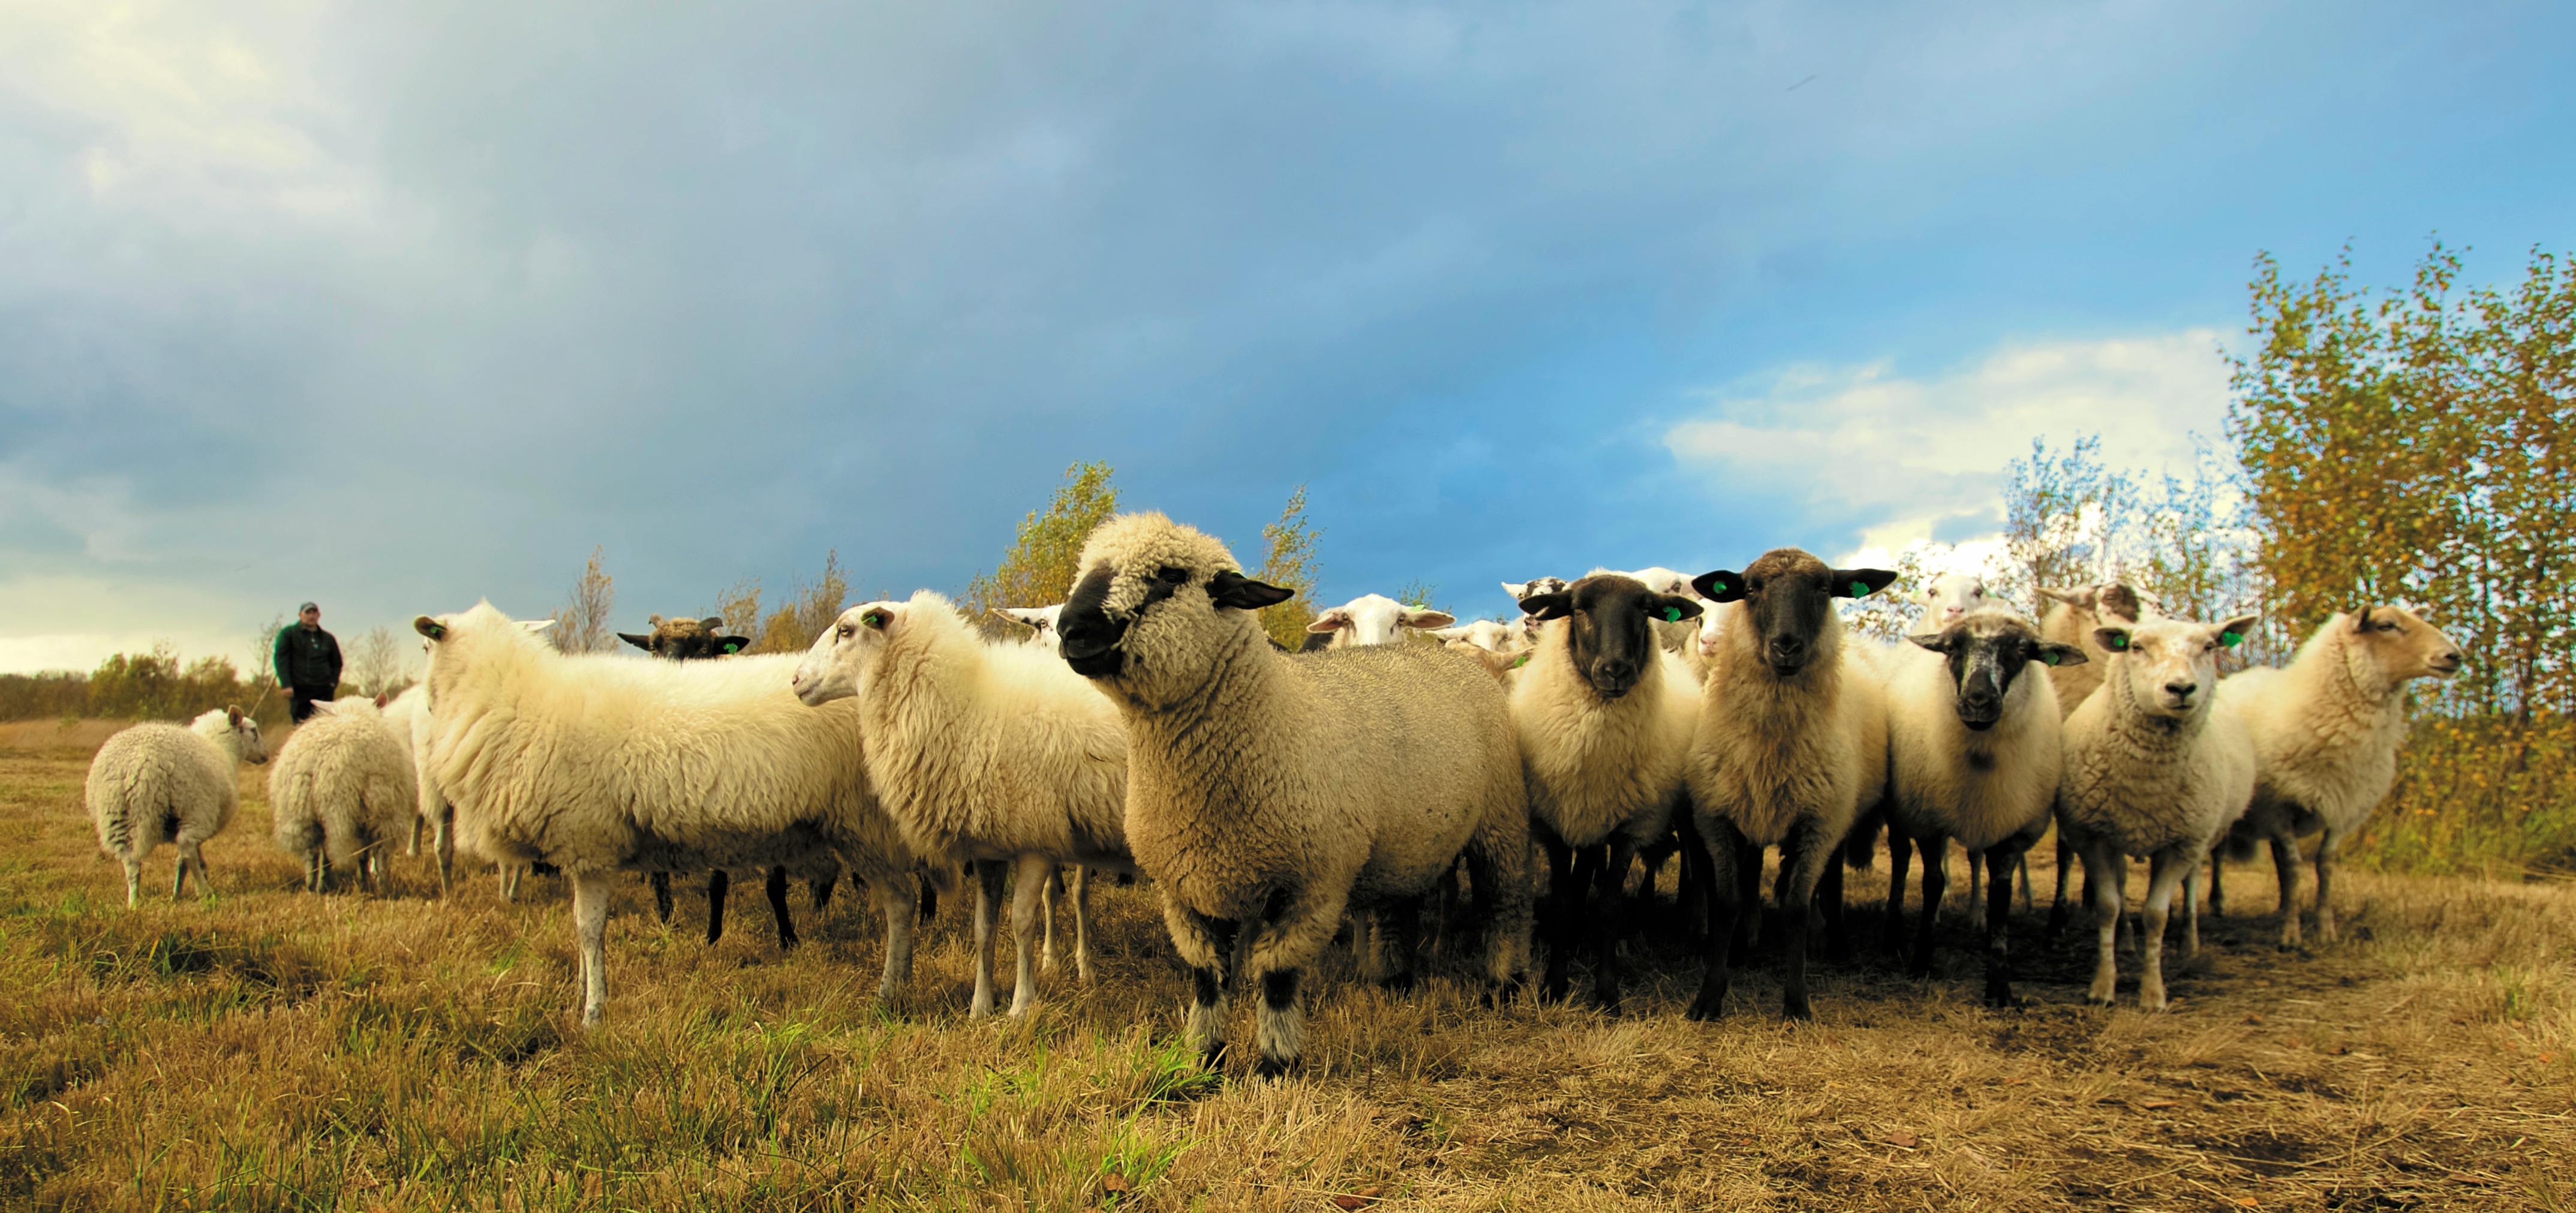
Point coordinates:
[[1278, 791], [2071, 618], [2152, 769], [157, 782], [1792, 742], [991, 754], [1606, 718], [2326, 732], [598, 766], [1375, 619], [341, 792], [1973, 755], [684, 639], [1040, 621]]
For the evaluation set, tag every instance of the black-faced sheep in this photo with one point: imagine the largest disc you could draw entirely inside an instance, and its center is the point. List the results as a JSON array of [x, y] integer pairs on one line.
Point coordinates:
[[1272, 791]]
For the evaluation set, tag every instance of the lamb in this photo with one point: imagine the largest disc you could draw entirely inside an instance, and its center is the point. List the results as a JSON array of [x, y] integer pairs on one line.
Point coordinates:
[[1973, 755], [1605, 717], [1278, 791], [341, 793], [158, 782], [598, 766], [1792, 743], [1041, 622], [994, 754], [2153, 769], [685, 639], [2326, 732], [1375, 619]]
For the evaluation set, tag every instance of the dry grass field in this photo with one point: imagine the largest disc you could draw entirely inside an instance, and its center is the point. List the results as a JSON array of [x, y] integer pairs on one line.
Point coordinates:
[[266, 1049]]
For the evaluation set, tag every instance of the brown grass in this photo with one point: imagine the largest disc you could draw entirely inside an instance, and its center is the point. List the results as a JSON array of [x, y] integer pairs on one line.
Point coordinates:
[[269, 1049]]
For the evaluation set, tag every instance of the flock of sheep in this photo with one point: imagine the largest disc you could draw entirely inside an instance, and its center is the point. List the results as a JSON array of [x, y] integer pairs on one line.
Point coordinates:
[[1273, 799]]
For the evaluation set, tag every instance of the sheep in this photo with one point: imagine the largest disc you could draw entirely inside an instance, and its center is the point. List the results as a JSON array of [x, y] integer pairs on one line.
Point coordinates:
[[158, 782], [1973, 755], [599, 765], [1792, 742], [2152, 768], [1041, 623], [685, 639], [1491, 635], [994, 754], [1605, 717], [2326, 732], [2071, 618], [1375, 619], [341, 792], [1278, 790], [1673, 634]]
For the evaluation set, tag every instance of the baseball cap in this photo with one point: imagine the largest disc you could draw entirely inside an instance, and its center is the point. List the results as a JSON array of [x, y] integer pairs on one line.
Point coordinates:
[[306, 607]]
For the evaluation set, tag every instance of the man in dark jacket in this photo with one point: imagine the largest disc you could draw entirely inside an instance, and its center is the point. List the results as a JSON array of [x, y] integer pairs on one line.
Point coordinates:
[[308, 661]]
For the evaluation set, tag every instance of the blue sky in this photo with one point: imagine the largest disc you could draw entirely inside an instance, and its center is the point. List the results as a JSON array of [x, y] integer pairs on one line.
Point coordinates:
[[397, 305]]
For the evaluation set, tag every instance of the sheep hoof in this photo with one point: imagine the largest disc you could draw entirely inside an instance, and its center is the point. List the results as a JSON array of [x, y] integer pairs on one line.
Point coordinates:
[[1266, 1066], [1794, 1007], [1708, 1008], [1212, 1058], [2001, 998], [1397, 983], [1920, 968]]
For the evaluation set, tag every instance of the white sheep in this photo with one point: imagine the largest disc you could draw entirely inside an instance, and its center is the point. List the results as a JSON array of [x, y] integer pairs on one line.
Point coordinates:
[[2326, 733], [1276, 791], [341, 793], [1375, 619], [597, 765], [2072, 617], [1491, 635], [1792, 743], [1606, 718], [1973, 756], [996, 755], [2152, 768], [1040, 622], [158, 782]]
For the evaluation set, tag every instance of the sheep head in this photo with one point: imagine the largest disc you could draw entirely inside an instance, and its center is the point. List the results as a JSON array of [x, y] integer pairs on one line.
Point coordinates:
[[1156, 606], [685, 639], [842, 658], [2402, 645], [1988, 650], [2169, 666], [1609, 627], [1375, 619], [1788, 605], [1951, 596]]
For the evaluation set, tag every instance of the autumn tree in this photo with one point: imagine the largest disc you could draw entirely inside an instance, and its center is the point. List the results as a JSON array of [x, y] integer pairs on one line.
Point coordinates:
[[807, 610], [1288, 561], [376, 663], [587, 623], [1045, 555]]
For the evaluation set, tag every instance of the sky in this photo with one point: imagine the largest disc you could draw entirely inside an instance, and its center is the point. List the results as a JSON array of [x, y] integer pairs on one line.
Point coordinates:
[[397, 305]]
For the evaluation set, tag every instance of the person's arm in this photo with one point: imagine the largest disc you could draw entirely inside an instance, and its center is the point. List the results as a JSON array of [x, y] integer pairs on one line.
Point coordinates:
[[334, 643], [277, 658]]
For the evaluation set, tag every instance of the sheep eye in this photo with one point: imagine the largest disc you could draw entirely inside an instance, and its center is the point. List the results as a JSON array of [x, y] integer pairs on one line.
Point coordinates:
[[1172, 575]]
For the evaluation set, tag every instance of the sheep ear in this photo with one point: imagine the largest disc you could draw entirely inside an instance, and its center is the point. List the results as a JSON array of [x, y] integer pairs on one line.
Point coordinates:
[[1724, 585], [533, 626], [1938, 642], [2361, 620], [642, 642], [730, 645], [381, 698], [1330, 621], [1861, 583], [1425, 617], [654, 621], [1515, 589], [232, 715], [2114, 639], [429, 627], [711, 622], [1233, 590], [2079, 597], [2235, 631], [1673, 608], [2052, 653], [1548, 606]]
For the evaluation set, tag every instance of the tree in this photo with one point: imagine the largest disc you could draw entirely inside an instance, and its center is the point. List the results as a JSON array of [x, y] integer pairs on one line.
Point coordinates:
[[1045, 556], [376, 665], [587, 623], [1288, 561], [739, 606], [808, 610]]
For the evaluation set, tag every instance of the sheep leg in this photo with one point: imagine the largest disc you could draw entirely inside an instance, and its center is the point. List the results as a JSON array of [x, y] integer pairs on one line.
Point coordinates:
[[989, 875], [2285, 864], [1400, 925], [1803, 872], [2217, 877], [2102, 883], [1032, 888], [2057, 909], [1206, 946], [2165, 870], [1748, 886], [1976, 879], [1566, 880], [1499, 876], [1725, 901], [1690, 887], [820, 889], [777, 891], [894, 900], [719, 882], [1082, 923], [1560, 869], [1292, 930], [1046, 917], [2021, 869], [1829, 901], [590, 924], [661, 882], [443, 838], [1900, 858], [413, 847], [1607, 920], [133, 878], [929, 900], [1936, 882], [2190, 904], [1999, 974], [2327, 847], [179, 873]]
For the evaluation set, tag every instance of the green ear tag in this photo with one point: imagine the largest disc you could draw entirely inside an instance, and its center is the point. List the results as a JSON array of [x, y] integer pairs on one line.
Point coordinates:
[[1860, 589], [2119, 641], [2050, 658], [1524, 660], [2231, 639], [1718, 586], [1672, 614], [732, 648]]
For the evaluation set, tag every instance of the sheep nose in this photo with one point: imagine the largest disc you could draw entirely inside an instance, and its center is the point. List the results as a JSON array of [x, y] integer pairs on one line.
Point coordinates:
[[1614, 670], [2182, 690]]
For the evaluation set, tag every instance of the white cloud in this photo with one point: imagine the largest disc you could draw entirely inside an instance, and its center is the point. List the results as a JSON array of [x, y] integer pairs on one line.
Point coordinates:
[[1897, 457]]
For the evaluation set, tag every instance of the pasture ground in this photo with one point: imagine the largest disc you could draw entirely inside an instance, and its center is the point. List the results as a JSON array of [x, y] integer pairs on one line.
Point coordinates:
[[266, 1049]]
